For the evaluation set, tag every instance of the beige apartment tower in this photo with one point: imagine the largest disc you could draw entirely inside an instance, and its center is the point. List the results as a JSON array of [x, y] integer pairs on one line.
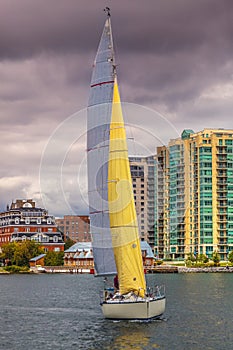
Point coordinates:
[[194, 195]]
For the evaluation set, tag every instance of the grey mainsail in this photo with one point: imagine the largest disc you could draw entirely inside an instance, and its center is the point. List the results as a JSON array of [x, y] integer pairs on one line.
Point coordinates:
[[98, 123]]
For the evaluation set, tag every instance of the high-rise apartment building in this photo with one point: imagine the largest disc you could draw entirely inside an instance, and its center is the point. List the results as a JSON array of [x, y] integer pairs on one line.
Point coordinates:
[[194, 194], [143, 178]]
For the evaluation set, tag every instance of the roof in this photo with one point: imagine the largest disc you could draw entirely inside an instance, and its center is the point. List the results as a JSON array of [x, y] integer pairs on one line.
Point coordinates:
[[147, 247], [186, 134], [79, 246], [87, 246], [37, 257]]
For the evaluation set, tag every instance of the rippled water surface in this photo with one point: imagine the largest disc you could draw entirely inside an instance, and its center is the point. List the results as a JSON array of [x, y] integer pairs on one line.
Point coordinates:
[[55, 311]]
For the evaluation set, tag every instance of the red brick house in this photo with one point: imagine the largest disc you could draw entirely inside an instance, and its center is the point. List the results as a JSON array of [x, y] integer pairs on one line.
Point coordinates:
[[80, 256], [22, 220]]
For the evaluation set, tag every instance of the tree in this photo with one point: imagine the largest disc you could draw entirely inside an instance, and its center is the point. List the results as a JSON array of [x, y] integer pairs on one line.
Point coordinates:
[[19, 253], [202, 258], [191, 257], [7, 254], [230, 257], [68, 243], [54, 259], [216, 258]]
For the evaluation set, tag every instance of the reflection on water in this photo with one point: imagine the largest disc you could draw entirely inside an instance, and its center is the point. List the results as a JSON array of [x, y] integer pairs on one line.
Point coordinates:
[[133, 340], [128, 335]]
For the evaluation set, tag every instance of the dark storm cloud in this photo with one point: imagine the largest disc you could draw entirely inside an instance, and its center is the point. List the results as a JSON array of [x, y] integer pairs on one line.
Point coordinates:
[[29, 27], [184, 38], [174, 56]]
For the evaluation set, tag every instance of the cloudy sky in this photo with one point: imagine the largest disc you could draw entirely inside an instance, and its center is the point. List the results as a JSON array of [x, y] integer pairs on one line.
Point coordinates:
[[175, 70]]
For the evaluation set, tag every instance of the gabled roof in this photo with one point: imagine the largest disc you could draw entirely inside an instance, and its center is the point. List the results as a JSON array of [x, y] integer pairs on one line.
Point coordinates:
[[87, 246], [146, 247], [37, 257], [79, 246]]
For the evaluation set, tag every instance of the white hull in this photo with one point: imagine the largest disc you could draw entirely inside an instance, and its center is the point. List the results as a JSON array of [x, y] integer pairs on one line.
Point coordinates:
[[138, 310]]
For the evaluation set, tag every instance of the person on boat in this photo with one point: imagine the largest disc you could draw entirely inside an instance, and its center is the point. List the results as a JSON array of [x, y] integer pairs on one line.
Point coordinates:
[[116, 282]]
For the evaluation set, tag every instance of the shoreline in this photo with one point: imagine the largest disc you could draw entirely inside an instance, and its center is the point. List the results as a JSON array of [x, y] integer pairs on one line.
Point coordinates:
[[214, 269], [184, 269], [157, 269]]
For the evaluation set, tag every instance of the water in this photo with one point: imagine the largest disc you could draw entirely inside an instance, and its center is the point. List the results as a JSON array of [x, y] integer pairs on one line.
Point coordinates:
[[56, 311]]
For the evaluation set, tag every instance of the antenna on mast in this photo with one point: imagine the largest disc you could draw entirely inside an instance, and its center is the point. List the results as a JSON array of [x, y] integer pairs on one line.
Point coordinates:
[[107, 10]]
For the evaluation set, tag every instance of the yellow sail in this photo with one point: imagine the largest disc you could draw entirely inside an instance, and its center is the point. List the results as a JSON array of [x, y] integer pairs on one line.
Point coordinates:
[[122, 213]]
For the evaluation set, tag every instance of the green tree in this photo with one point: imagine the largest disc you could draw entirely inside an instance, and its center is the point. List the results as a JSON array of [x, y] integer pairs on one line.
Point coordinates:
[[202, 258], [191, 257], [68, 243], [230, 257], [21, 252], [216, 258], [8, 250], [54, 259]]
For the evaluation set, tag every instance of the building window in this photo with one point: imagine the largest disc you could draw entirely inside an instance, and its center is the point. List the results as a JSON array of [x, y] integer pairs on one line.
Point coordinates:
[[55, 239]]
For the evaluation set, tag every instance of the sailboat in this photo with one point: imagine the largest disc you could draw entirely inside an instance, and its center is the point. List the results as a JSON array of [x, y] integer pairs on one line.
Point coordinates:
[[114, 226]]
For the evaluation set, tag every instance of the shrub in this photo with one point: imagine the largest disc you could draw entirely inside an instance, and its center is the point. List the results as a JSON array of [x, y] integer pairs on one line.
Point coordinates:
[[216, 258], [230, 257], [16, 269], [158, 262]]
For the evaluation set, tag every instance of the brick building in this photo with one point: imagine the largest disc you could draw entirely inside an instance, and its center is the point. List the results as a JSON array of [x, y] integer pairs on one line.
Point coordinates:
[[80, 256], [22, 220], [75, 227]]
